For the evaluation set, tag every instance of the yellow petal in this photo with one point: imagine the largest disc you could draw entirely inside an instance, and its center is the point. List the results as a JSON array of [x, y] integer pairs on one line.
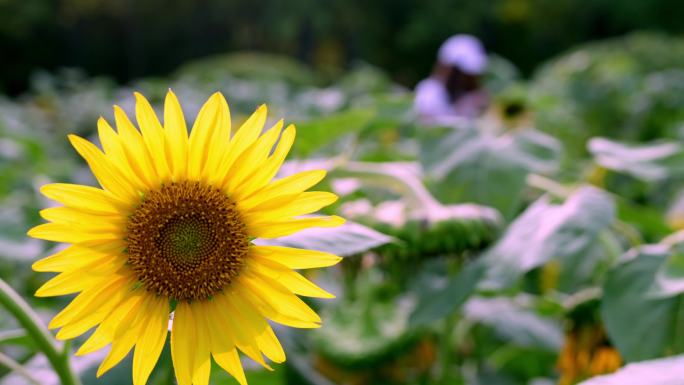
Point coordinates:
[[77, 256], [268, 170], [269, 311], [68, 283], [222, 334], [265, 337], [80, 326], [304, 203], [84, 198], [83, 221], [294, 258], [153, 136], [201, 368], [219, 143], [119, 319], [242, 333], [183, 343], [290, 279], [282, 228], [139, 159], [152, 338], [92, 299], [279, 298], [106, 174], [120, 348], [270, 204], [249, 131], [244, 137], [201, 135], [111, 144], [113, 147], [222, 344], [84, 322], [252, 159], [289, 186], [58, 232], [230, 362], [176, 136]]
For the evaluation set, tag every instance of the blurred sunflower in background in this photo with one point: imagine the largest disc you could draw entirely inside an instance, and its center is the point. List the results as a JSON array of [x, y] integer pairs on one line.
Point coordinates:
[[587, 351], [171, 230], [511, 109]]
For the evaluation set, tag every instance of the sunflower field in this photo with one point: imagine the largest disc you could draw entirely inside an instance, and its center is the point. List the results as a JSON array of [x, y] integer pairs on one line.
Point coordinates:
[[540, 244]]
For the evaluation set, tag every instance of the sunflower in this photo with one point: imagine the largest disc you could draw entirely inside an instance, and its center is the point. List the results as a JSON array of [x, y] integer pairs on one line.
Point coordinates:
[[171, 231]]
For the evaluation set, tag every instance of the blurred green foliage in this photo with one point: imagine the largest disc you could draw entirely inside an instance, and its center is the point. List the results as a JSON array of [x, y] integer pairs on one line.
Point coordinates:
[[472, 251], [627, 89]]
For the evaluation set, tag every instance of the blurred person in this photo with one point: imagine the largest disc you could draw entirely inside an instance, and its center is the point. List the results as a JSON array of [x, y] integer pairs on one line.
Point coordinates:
[[453, 91]]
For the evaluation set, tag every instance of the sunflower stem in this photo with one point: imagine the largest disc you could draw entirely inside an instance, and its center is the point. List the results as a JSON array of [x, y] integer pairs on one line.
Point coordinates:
[[445, 347], [30, 321]]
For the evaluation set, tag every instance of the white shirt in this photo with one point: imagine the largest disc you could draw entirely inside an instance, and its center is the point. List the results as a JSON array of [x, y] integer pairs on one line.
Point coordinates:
[[433, 105], [432, 99]]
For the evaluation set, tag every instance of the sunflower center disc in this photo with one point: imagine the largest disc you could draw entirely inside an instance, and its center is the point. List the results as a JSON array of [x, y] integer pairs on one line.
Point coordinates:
[[186, 241]]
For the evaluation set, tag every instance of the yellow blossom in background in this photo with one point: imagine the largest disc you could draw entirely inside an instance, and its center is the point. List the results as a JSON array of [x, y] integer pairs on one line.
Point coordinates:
[[586, 353], [171, 229]]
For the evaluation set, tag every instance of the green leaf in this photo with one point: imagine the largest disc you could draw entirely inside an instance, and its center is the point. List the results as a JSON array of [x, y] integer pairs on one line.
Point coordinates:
[[312, 135], [515, 323], [546, 231], [627, 88], [664, 371], [648, 220], [367, 332], [348, 239], [640, 325], [669, 280], [446, 296], [649, 162], [472, 165]]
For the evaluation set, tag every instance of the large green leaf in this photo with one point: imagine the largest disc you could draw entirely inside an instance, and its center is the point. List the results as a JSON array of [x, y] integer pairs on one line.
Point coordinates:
[[513, 321], [547, 231], [641, 325], [312, 135], [472, 165], [441, 297], [349, 239], [669, 280], [664, 371]]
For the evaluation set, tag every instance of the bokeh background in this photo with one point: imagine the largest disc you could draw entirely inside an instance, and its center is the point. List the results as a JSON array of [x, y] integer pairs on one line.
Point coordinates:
[[538, 244], [129, 39]]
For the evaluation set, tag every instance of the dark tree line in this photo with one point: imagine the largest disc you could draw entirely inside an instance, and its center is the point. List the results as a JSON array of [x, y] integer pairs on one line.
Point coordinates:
[[132, 38]]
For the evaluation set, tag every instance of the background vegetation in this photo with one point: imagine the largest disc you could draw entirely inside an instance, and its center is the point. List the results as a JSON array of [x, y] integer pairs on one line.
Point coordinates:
[[541, 244]]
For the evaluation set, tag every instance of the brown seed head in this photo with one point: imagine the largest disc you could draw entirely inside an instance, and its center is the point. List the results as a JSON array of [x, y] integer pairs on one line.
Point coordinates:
[[186, 241]]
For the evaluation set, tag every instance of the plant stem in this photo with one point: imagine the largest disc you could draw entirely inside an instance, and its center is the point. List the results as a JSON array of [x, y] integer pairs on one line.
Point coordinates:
[[30, 321], [446, 347]]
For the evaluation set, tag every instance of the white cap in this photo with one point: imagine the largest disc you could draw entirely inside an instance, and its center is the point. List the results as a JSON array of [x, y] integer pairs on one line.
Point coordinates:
[[465, 52]]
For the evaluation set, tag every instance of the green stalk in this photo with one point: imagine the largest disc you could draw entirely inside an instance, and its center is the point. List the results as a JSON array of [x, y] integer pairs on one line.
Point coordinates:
[[30, 321], [446, 347]]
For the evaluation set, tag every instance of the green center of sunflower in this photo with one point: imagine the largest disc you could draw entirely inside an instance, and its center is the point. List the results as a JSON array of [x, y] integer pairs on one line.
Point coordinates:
[[186, 241]]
